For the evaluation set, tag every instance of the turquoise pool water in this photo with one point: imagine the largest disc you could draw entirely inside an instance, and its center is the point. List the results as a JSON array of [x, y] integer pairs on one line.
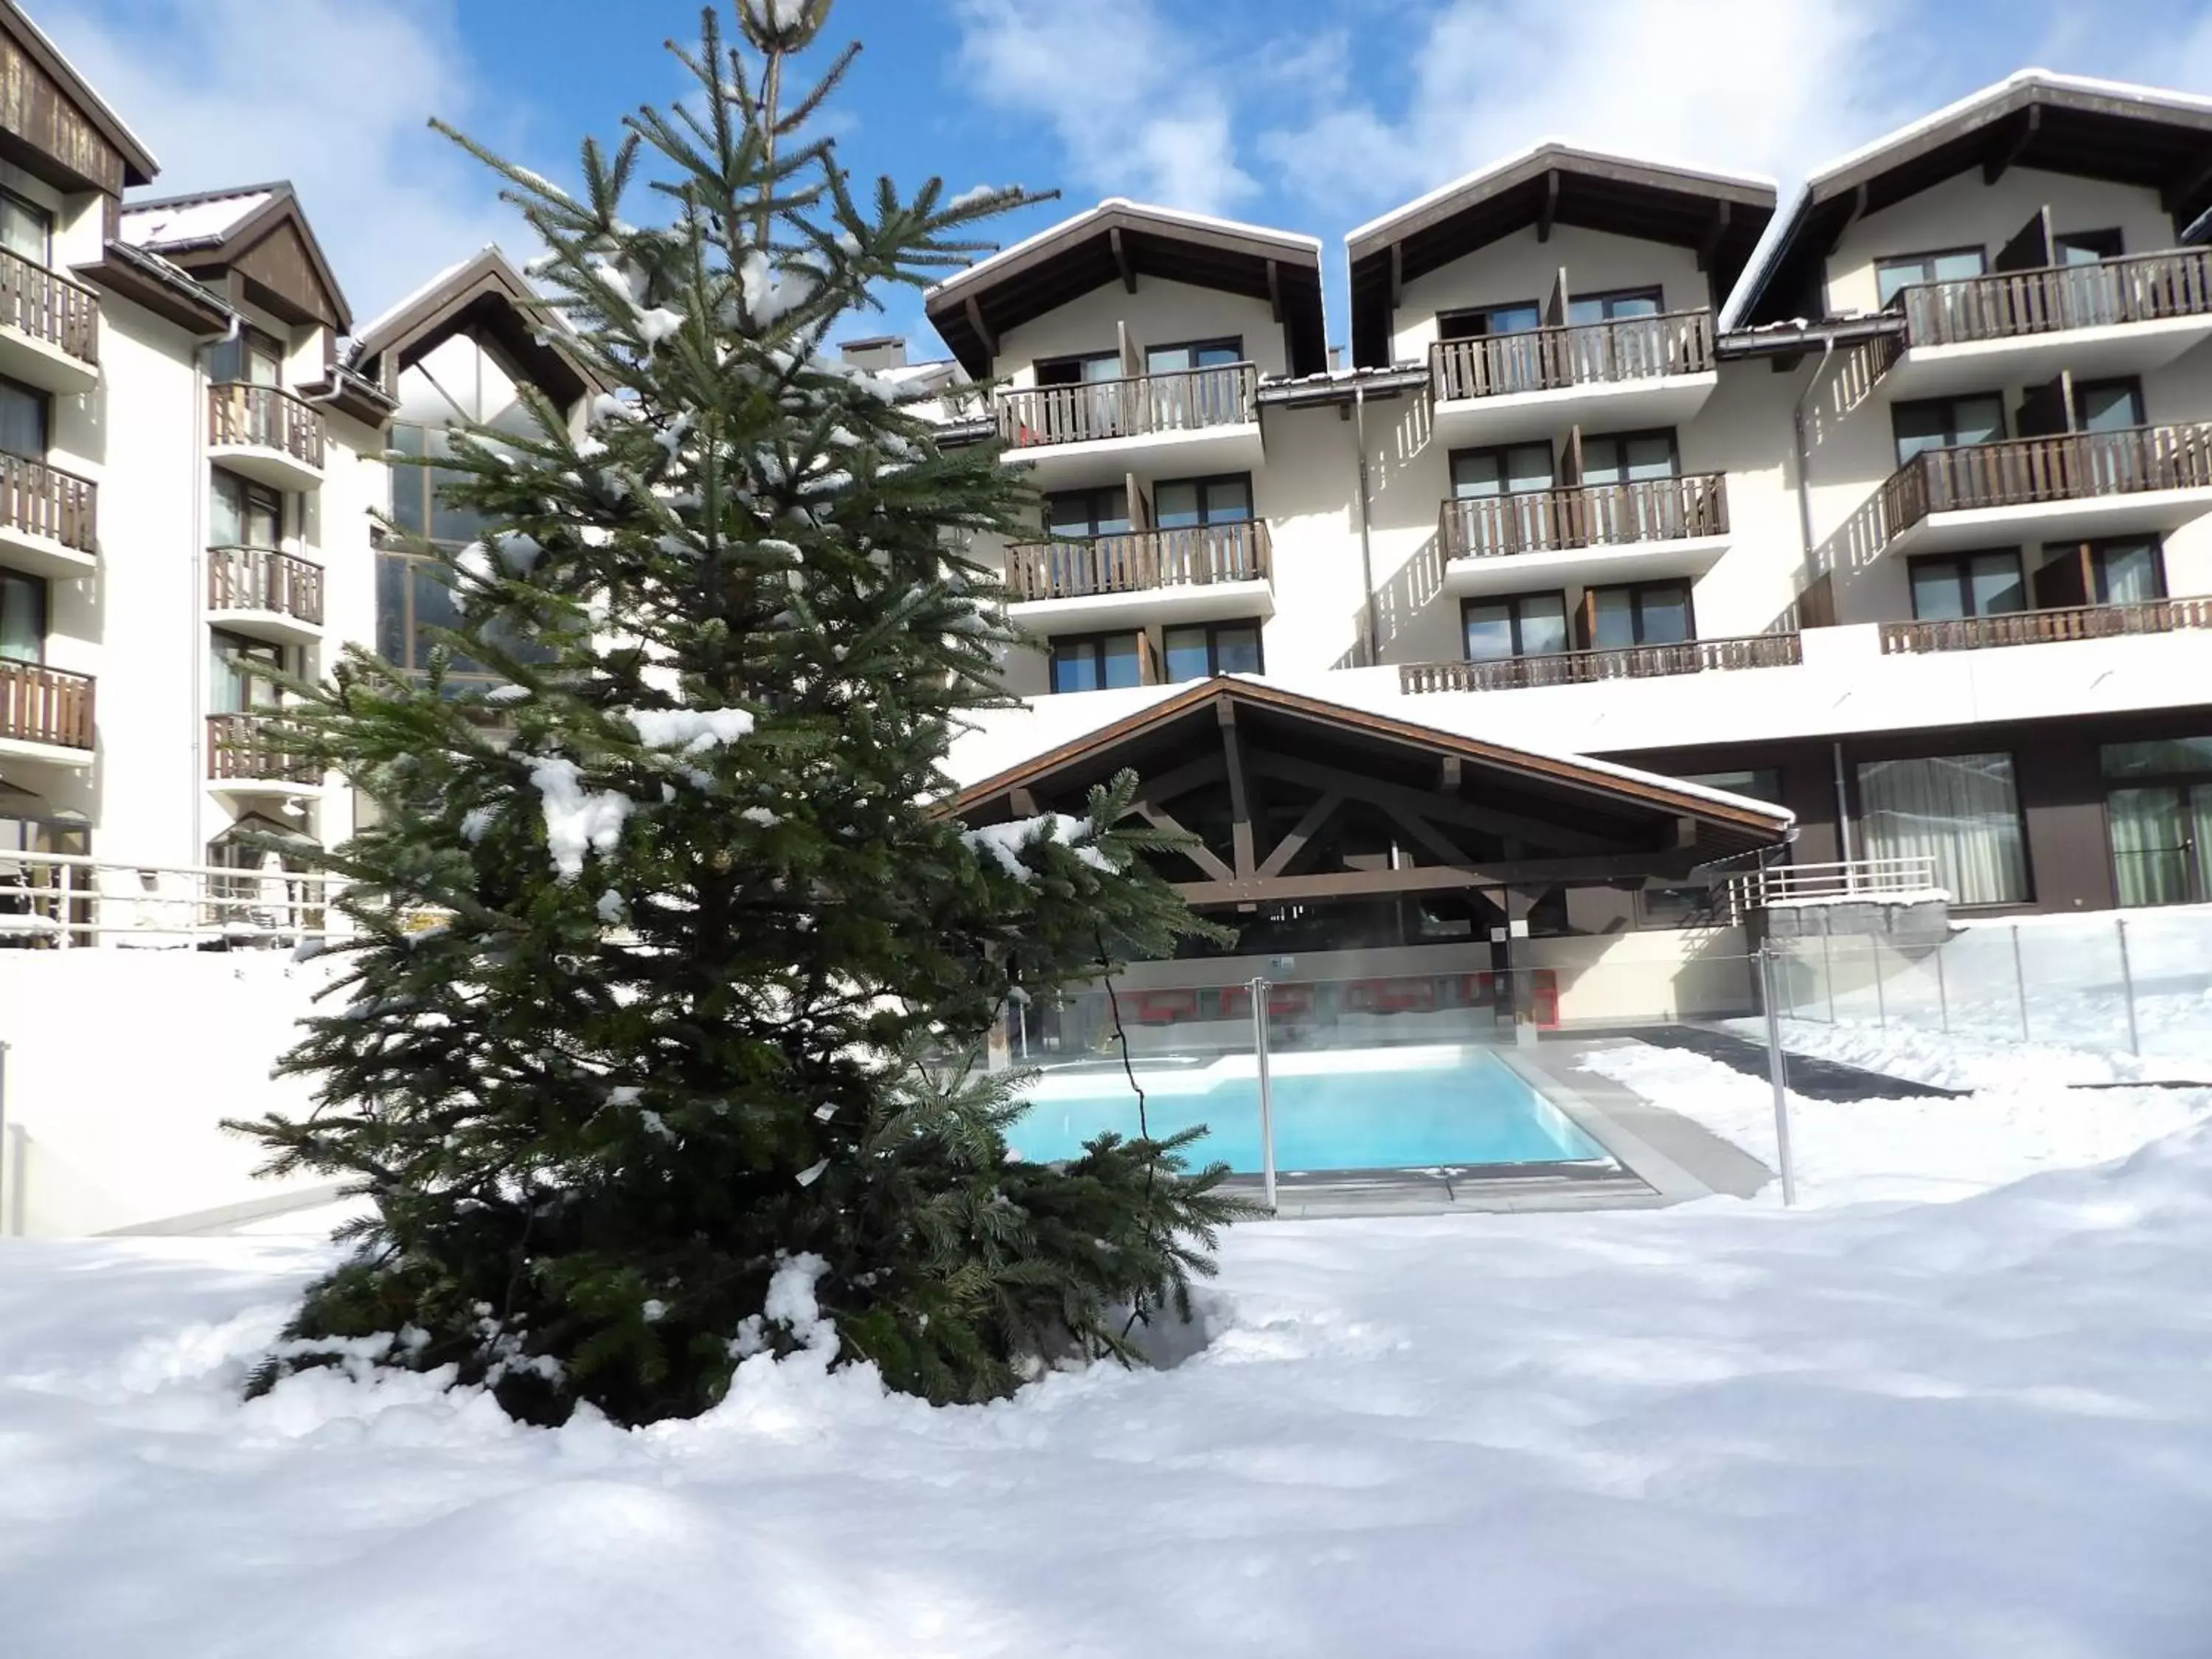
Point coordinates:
[[1371, 1110]]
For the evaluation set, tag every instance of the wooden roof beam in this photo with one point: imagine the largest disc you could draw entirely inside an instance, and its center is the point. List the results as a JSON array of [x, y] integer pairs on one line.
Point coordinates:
[[1275, 290], [982, 329], [1121, 262], [1996, 168], [1709, 248], [1467, 813], [1427, 878], [1309, 825], [1240, 793], [1547, 214], [1193, 849]]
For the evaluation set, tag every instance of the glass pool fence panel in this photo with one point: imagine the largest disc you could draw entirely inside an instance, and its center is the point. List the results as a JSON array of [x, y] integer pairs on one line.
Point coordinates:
[[2168, 962]]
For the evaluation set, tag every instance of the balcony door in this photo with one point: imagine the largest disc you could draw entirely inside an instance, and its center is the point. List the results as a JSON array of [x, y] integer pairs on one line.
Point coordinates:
[[1510, 507], [243, 515], [23, 421], [1183, 396], [1635, 508], [1200, 520], [1093, 404], [1638, 614], [2158, 811], [1952, 586], [23, 617], [1893, 277], [1521, 625], [1088, 514], [1948, 423], [1512, 360], [241, 673]]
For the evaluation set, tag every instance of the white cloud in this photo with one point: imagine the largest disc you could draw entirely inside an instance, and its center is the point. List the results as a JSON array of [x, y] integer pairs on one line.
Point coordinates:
[[333, 95], [1134, 116]]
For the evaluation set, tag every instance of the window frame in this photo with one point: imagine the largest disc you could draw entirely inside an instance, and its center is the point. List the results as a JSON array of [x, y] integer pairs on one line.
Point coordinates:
[[45, 401], [44, 214], [1502, 452], [1672, 435], [1514, 602], [1198, 485], [2132, 384], [1654, 292], [1961, 563], [1233, 343], [1447, 321], [1056, 646], [2113, 234], [1949, 404], [2098, 550], [1038, 366], [1212, 630], [1926, 259], [1118, 493], [2019, 817], [41, 589], [1636, 591], [249, 490]]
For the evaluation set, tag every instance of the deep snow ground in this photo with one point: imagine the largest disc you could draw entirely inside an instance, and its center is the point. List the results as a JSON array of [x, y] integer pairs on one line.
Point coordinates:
[[1975, 1428]]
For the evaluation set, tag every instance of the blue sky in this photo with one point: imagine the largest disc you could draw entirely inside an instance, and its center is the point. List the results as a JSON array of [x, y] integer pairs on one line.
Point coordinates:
[[1312, 115]]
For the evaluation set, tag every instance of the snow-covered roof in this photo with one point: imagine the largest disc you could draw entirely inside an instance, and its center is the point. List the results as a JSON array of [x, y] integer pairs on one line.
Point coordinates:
[[415, 296], [177, 220], [1169, 218]]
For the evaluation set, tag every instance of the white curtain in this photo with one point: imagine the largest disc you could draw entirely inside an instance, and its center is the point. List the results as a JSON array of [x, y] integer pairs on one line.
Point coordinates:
[[1962, 811]]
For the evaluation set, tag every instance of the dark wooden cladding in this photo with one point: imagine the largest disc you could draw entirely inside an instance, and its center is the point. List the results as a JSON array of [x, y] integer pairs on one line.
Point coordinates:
[[1598, 515], [36, 112], [2069, 467], [45, 705], [48, 307], [1586, 667], [1185, 400], [1139, 561], [264, 417], [261, 579], [238, 746], [1581, 354], [42, 500], [2085, 622], [2140, 290], [282, 269]]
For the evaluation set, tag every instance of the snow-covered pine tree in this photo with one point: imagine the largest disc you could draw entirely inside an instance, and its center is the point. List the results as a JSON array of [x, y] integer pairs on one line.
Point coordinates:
[[654, 940]]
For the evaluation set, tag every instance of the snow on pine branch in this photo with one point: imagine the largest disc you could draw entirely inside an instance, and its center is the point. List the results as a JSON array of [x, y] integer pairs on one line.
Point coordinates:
[[1007, 842], [577, 819], [688, 730]]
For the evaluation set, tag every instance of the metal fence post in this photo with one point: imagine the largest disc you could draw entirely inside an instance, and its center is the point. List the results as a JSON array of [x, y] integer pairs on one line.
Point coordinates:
[[4, 1170], [1943, 991], [2128, 987], [1880, 1005], [2020, 980], [1828, 969], [1259, 988], [66, 915], [1778, 1074]]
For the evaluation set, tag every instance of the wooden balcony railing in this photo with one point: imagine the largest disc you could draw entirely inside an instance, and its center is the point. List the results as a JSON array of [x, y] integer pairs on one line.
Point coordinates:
[[42, 500], [262, 579], [1584, 667], [2070, 466], [2084, 621], [47, 305], [45, 705], [264, 417], [1139, 561], [1596, 515], [1581, 354], [239, 746], [1186, 400], [2142, 289]]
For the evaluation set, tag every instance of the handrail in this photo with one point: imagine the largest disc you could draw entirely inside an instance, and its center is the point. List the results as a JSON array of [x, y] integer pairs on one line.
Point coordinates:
[[1872, 879], [49, 307], [66, 899], [1140, 561], [43, 501], [39, 704], [263, 579], [2141, 288], [1586, 667], [239, 748], [1575, 354], [248, 415], [2065, 466], [2080, 622], [1180, 400], [1594, 515]]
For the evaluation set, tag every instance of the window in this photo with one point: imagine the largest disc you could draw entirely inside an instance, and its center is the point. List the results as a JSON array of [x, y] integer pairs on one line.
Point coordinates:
[[1891, 276], [2108, 405], [27, 230], [412, 597], [240, 673], [1640, 613], [1183, 503], [1967, 584], [1521, 317], [1523, 625], [1962, 811], [1095, 663], [1195, 651], [1515, 469], [1628, 456], [248, 355], [244, 515], [2084, 247], [1948, 423], [23, 421], [1193, 354], [417, 508], [1607, 307], [2160, 824], [23, 617], [2126, 573], [1074, 371], [1088, 512]]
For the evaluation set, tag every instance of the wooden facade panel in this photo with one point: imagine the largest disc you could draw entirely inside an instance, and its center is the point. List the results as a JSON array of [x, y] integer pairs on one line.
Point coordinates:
[[283, 274], [34, 111]]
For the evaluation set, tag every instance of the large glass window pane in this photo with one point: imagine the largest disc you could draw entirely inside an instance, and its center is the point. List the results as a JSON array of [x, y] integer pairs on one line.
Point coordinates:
[[1512, 320], [1919, 426], [25, 230], [1528, 467], [2126, 575], [1978, 420], [1960, 810], [22, 421], [1615, 624], [1664, 616], [1477, 475], [1543, 621], [1118, 657], [1892, 276], [1220, 356], [1075, 666], [1996, 584], [1228, 501], [1937, 593], [23, 617], [1236, 650], [2158, 757], [407, 482], [1956, 267], [1489, 632], [2150, 832], [391, 571], [1107, 366], [1176, 506], [1186, 653], [2114, 406]]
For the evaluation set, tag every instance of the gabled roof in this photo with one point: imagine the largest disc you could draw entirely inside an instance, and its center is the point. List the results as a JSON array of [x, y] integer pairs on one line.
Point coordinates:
[[1121, 242], [256, 234], [483, 295], [1721, 215], [2101, 129], [165, 289], [131, 162]]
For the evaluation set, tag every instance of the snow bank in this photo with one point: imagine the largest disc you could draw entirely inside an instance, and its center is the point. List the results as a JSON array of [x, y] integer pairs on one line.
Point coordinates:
[[1955, 1431]]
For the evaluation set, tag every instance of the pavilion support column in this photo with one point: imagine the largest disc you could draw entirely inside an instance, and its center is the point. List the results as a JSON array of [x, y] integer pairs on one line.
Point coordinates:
[[1510, 956]]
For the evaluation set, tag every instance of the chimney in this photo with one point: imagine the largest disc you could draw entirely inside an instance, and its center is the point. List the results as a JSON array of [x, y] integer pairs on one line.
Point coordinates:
[[880, 352], [1335, 358]]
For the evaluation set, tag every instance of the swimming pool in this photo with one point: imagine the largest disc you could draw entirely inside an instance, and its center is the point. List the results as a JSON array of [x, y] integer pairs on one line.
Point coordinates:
[[1421, 1106]]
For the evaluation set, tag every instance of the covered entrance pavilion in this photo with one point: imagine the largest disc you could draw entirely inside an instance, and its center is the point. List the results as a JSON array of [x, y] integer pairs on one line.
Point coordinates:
[[1344, 845]]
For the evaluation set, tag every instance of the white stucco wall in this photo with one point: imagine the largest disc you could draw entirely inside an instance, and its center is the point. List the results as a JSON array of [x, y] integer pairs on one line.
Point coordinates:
[[1519, 269], [1160, 312]]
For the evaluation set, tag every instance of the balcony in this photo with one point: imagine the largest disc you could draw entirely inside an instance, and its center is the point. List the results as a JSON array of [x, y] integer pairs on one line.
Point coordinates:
[[265, 433], [49, 328], [47, 524], [266, 594], [1630, 372], [45, 714], [244, 759], [2115, 318], [2087, 621], [1207, 573], [2072, 486], [1189, 421], [1651, 527], [1635, 662]]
